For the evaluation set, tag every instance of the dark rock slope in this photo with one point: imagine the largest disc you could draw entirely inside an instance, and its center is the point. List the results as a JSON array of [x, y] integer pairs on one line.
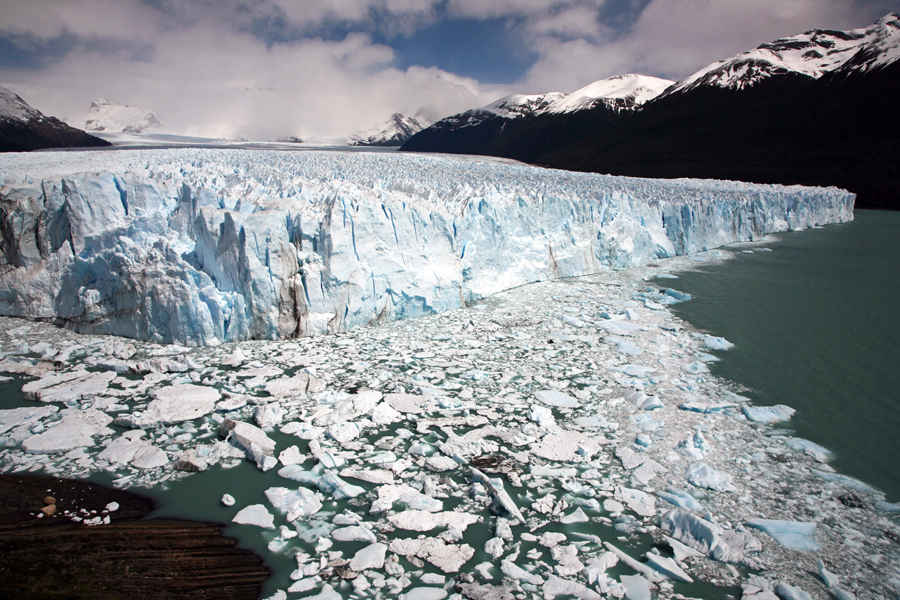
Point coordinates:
[[52, 557], [22, 128]]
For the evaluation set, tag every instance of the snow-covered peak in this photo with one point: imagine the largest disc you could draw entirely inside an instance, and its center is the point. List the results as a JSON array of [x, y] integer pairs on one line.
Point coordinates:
[[117, 118], [623, 91], [392, 132], [813, 54], [518, 105], [13, 108]]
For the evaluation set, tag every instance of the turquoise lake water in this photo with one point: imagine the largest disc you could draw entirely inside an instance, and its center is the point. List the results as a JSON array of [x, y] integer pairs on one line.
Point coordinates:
[[815, 324]]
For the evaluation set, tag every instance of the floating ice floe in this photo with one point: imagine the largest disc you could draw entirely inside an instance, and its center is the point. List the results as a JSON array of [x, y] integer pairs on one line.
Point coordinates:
[[174, 404], [680, 498], [768, 414], [556, 398], [790, 534], [704, 476], [131, 448], [295, 504], [74, 430], [820, 453], [716, 343], [255, 514]]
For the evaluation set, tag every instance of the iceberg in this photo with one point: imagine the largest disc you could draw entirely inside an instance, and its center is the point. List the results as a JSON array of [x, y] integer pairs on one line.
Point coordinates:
[[711, 539], [205, 246]]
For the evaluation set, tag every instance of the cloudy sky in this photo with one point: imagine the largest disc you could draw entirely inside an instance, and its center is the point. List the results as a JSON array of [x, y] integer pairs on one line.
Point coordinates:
[[272, 68]]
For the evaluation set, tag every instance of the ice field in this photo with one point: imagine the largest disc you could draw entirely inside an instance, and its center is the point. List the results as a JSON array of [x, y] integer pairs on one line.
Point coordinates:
[[563, 438], [204, 246]]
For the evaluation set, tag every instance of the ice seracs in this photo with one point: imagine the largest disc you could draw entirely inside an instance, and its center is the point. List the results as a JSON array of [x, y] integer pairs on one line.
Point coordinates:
[[201, 247]]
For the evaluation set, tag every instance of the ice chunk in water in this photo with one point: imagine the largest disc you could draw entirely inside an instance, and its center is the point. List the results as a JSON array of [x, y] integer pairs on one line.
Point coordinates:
[[789, 592], [796, 535], [298, 503], [680, 498], [768, 414], [556, 398], [704, 476], [255, 514]]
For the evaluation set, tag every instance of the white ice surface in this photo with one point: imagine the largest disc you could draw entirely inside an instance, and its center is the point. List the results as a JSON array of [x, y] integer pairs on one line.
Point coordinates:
[[203, 246]]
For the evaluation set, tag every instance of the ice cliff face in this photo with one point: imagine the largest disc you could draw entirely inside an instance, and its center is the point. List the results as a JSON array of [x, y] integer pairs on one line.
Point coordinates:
[[204, 246]]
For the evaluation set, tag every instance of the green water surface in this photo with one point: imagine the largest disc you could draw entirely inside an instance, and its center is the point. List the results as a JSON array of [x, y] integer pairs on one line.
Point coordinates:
[[815, 324]]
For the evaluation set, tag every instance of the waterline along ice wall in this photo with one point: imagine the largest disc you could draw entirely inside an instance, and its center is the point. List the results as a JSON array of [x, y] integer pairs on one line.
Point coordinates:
[[203, 246]]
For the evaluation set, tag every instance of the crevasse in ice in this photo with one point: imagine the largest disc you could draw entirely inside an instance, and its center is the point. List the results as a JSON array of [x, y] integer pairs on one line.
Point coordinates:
[[202, 246]]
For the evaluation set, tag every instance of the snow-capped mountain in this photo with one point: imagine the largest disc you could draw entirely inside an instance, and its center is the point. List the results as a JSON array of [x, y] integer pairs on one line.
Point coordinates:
[[619, 92], [812, 54], [23, 128], [508, 108], [622, 92], [817, 108], [473, 131], [110, 117], [516, 106], [393, 132], [13, 108]]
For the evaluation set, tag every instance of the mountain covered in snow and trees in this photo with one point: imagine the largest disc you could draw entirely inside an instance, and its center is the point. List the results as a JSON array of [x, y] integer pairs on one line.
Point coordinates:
[[817, 108], [393, 132], [23, 128], [111, 117]]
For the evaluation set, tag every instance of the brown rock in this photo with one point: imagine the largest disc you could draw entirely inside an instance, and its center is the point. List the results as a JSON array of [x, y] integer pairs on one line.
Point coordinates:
[[49, 500], [49, 510]]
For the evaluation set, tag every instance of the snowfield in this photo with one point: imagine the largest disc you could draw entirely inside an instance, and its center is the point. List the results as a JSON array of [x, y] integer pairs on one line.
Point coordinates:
[[204, 246]]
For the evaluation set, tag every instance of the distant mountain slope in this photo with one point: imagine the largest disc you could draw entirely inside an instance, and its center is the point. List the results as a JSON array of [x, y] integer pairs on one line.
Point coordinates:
[[22, 128], [117, 118], [621, 91], [471, 131], [832, 120], [476, 131], [818, 108], [812, 54], [393, 132]]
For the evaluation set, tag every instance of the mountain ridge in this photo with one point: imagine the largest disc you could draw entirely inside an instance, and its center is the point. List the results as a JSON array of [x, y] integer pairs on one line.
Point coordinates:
[[747, 118], [24, 128], [112, 117]]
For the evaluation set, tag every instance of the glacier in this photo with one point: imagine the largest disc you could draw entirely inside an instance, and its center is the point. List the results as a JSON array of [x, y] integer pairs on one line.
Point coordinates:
[[200, 246]]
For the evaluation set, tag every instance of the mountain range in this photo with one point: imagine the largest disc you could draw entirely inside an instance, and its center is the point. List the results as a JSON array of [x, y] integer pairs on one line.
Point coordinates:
[[817, 108], [111, 117], [393, 132], [23, 128]]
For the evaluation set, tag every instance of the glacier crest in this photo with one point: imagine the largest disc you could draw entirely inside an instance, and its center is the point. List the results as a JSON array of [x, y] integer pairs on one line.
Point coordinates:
[[202, 246]]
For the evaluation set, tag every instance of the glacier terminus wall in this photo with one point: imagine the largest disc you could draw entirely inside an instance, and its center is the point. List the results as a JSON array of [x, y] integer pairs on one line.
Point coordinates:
[[204, 246]]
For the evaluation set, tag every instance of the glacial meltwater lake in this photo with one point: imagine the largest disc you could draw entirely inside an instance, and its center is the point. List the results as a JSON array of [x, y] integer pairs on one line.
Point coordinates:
[[815, 325]]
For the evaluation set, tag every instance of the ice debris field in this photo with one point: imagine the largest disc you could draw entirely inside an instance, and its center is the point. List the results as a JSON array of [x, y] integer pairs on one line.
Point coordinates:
[[558, 439], [204, 246], [561, 438]]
